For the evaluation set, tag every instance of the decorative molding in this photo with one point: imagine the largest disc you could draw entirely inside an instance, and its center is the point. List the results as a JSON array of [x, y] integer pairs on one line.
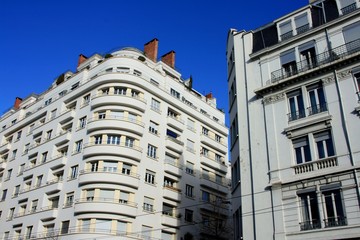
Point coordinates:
[[328, 80], [308, 126], [274, 98], [344, 74]]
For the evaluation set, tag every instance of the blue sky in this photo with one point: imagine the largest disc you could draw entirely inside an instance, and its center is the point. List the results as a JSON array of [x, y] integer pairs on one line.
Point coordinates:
[[40, 39]]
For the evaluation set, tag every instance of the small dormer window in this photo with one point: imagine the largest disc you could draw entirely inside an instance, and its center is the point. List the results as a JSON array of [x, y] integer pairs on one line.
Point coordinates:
[[301, 23], [285, 30]]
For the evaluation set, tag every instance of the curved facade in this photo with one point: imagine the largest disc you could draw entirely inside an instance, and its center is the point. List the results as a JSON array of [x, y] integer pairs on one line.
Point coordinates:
[[121, 148]]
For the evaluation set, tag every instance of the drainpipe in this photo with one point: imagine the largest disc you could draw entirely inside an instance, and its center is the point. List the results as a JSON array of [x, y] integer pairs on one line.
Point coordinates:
[[347, 138], [249, 142]]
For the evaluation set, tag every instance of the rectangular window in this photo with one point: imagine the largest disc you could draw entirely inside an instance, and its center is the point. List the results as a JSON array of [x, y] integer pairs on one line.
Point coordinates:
[[16, 190], [34, 205], [150, 177], [189, 191], [288, 63], [112, 139], [191, 125], [155, 105], [98, 139], [53, 114], [121, 227], [101, 115], [110, 166], [8, 176], [126, 169], [205, 131], [301, 23], [129, 142], [124, 197], [85, 225], [78, 146], [333, 208], [74, 172], [205, 152], [302, 150], [189, 215], [174, 93], [65, 227], [120, 90], [86, 99], [205, 196], [29, 232], [90, 195], [74, 86], [44, 157], [107, 195], [69, 199], [39, 180], [18, 135], [156, 83], [296, 105], [285, 30], [190, 145], [316, 99], [3, 195], [82, 122], [189, 168], [309, 211], [324, 144], [148, 204], [151, 151], [153, 127]]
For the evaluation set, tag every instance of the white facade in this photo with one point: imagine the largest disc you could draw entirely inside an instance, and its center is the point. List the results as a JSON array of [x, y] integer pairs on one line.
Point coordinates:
[[121, 149], [294, 124]]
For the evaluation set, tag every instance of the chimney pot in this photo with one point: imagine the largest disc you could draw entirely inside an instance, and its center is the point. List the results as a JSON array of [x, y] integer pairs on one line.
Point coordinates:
[[17, 103], [151, 49], [169, 58], [82, 58]]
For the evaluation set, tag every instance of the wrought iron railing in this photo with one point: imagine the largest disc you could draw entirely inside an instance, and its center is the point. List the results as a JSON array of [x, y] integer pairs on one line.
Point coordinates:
[[348, 9], [335, 221], [286, 35], [310, 225], [296, 115], [302, 28], [316, 61], [317, 108]]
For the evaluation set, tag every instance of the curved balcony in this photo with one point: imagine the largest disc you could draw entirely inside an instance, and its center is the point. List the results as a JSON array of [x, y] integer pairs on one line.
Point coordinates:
[[118, 99], [122, 149], [105, 205], [173, 167], [111, 177], [66, 116], [2, 165], [212, 182], [4, 148], [211, 142], [116, 122], [176, 123], [174, 144], [172, 193], [213, 163]]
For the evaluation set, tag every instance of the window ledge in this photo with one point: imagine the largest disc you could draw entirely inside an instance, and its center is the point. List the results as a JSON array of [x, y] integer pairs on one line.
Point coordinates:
[[309, 125]]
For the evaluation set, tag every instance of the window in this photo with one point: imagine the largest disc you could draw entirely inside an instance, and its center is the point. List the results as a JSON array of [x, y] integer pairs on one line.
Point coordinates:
[[65, 227], [123, 69], [189, 215], [333, 208], [121, 227], [85, 225], [301, 23], [48, 135], [82, 122], [34, 205], [54, 202], [39, 180], [324, 144], [205, 196], [6, 236], [148, 204], [126, 169], [151, 151], [98, 139], [218, 158], [74, 86], [16, 190], [107, 195], [189, 168], [21, 168], [11, 213], [9, 172], [44, 157], [146, 232], [111, 139], [86, 99], [171, 113], [296, 105], [74, 172], [124, 196], [90, 195], [3, 195], [18, 136], [101, 115], [205, 131], [28, 232], [174, 93], [155, 105], [120, 90], [53, 114], [135, 93], [78, 146], [69, 199], [94, 166], [171, 134], [167, 209], [235, 173], [217, 138], [308, 55], [302, 150], [153, 127], [129, 142], [47, 102], [234, 130], [316, 99], [14, 154], [309, 211], [156, 83], [26, 149], [205, 151], [288, 63], [357, 78], [189, 191], [351, 34], [190, 145], [110, 166], [150, 177], [31, 128], [285, 30], [191, 125], [218, 179], [137, 72]]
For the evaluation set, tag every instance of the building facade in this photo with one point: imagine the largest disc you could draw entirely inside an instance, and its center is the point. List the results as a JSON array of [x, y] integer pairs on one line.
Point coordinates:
[[294, 124], [123, 148]]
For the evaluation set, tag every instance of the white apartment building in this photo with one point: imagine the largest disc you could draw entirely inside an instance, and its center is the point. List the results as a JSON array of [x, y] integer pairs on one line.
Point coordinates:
[[294, 104], [123, 148]]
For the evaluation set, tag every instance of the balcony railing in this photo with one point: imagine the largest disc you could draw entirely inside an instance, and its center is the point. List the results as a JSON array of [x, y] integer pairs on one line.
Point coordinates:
[[107, 170], [286, 35], [296, 115], [106, 200], [302, 28], [317, 109], [310, 225], [335, 221], [316, 165], [318, 60], [348, 9]]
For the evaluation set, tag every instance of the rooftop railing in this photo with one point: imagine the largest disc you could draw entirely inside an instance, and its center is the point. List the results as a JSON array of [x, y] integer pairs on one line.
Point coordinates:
[[317, 61]]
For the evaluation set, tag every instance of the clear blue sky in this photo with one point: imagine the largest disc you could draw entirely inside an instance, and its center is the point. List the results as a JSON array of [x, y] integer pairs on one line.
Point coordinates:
[[40, 39]]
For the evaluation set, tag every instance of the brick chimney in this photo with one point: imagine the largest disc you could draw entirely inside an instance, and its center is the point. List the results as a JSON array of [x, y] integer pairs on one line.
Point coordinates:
[[17, 103], [151, 49], [209, 96], [169, 58], [82, 58]]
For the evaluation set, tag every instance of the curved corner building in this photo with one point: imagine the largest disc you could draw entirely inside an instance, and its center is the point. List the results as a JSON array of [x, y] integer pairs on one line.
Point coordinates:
[[123, 148]]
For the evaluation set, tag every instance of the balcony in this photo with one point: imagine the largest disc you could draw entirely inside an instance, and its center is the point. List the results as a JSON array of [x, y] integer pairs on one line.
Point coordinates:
[[116, 122], [310, 225], [52, 163], [302, 29], [169, 220], [2, 165], [348, 9], [122, 149], [317, 61], [105, 205], [335, 221], [214, 183], [211, 142], [286, 35], [174, 144], [119, 99], [172, 193], [217, 164], [173, 167], [4, 148], [111, 177], [319, 108], [66, 116], [313, 166], [176, 123]]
